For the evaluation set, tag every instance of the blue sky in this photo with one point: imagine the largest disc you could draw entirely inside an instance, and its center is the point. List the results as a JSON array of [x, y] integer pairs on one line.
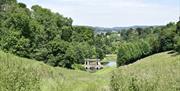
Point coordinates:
[[113, 13]]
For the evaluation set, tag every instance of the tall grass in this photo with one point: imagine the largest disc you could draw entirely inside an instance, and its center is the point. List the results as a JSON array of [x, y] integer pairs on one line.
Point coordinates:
[[160, 72], [20, 74]]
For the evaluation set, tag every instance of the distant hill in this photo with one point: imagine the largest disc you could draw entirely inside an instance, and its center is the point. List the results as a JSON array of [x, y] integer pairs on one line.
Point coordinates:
[[115, 29]]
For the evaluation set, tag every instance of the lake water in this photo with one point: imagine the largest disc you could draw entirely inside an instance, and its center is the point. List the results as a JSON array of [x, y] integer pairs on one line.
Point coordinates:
[[111, 63]]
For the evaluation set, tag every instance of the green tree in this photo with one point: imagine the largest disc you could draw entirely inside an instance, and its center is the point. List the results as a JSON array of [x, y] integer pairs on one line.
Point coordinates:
[[178, 27]]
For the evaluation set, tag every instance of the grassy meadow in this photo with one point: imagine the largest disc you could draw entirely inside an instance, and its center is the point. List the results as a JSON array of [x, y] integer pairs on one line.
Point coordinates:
[[159, 72], [20, 74]]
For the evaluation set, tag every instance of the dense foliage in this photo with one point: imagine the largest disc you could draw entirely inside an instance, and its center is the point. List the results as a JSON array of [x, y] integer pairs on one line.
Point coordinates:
[[143, 42], [45, 36], [177, 38], [130, 52]]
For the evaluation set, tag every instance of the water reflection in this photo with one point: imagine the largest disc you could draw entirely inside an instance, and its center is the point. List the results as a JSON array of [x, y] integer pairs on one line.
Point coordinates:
[[111, 63]]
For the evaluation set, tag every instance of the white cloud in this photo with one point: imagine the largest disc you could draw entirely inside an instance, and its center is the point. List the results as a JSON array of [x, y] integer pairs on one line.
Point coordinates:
[[110, 13]]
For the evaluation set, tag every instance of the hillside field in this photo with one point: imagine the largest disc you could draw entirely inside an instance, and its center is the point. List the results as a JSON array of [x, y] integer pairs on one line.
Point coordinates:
[[159, 72], [20, 74]]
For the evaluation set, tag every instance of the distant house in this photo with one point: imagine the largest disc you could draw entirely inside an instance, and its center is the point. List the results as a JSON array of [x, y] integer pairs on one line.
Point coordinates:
[[93, 64]]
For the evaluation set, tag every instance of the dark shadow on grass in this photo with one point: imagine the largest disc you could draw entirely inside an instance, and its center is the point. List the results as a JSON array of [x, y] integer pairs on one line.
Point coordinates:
[[174, 53]]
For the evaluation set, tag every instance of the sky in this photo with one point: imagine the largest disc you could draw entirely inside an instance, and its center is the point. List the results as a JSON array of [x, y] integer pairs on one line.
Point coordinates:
[[113, 13]]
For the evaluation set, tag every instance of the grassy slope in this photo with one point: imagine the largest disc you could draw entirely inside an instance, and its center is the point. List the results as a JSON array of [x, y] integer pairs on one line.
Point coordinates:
[[20, 74], [159, 72]]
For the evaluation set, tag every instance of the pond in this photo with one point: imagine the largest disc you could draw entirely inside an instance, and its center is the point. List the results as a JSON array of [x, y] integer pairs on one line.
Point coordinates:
[[111, 64]]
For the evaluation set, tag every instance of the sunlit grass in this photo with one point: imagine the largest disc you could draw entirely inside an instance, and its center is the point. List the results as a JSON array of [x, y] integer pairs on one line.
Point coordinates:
[[160, 72]]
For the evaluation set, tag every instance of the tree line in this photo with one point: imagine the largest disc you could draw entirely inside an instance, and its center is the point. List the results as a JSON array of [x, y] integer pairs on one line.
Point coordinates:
[[143, 42]]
